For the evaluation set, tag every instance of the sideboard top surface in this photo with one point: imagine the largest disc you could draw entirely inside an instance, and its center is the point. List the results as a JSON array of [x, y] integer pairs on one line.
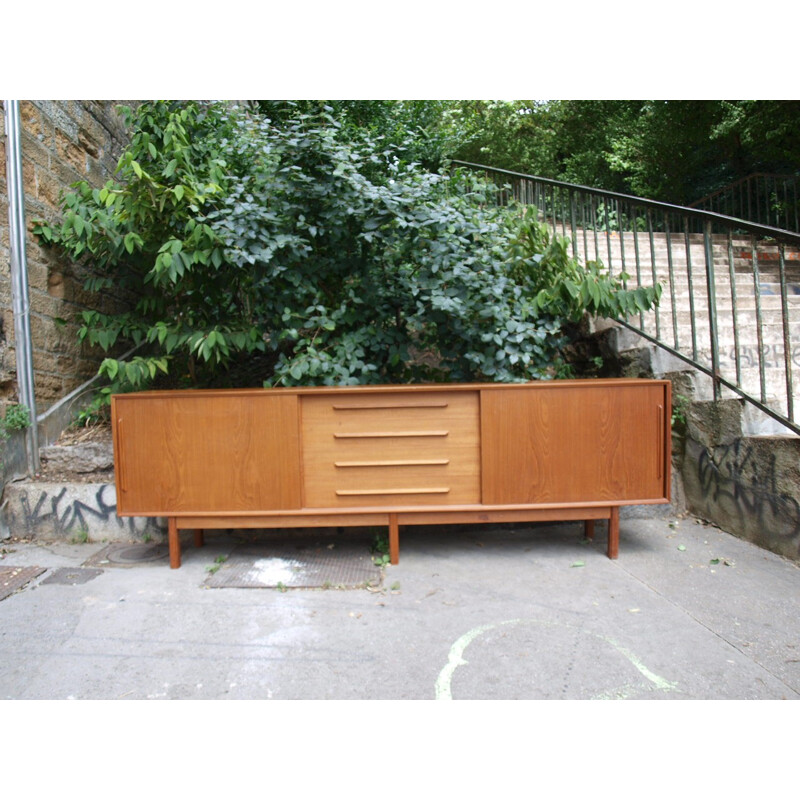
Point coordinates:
[[416, 387]]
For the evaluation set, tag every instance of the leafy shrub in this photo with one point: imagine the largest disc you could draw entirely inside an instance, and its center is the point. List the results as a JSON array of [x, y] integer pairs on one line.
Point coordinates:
[[360, 262], [312, 253], [561, 286]]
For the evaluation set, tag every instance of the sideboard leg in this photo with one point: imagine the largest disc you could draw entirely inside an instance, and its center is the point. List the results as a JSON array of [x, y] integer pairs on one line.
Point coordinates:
[[613, 533], [394, 539], [174, 544], [588, 528], [199, 537]]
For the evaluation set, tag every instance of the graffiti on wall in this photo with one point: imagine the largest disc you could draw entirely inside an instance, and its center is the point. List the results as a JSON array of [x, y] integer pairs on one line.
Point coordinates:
[[65, 515], [772, 356], [742, 481]]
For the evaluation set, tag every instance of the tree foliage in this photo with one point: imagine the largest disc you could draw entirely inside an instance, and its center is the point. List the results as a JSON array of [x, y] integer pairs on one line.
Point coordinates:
[[426, 132], [291, 245], [676, 150]]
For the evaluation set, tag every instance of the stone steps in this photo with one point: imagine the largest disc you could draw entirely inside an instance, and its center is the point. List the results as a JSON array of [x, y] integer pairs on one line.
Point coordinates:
[[685, 304]]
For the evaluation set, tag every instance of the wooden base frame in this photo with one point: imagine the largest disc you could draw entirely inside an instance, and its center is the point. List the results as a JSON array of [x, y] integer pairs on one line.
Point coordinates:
[[393, 520]]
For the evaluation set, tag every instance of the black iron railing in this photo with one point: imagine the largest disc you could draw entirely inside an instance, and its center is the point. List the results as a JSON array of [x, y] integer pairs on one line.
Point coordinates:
[[730, 305], [772, 200]]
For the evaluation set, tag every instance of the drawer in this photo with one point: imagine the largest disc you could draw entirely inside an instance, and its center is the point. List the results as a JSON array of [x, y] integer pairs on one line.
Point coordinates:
[[390, 449]]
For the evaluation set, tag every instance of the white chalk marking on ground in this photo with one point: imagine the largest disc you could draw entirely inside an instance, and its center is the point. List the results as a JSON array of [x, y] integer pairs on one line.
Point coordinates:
[[455, 659], [659, 684]]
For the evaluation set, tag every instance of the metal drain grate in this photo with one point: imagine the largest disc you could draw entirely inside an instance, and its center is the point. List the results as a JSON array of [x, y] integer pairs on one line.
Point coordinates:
[[285, 565], [71, 576], [14, 578], [127, 555]]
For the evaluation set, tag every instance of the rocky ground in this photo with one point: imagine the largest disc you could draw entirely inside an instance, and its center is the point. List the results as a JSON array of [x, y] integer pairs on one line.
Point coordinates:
[[81, 455]]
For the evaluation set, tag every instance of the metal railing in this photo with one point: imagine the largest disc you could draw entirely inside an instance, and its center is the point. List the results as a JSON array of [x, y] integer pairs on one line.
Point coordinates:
[[730, 304], [772, 200]]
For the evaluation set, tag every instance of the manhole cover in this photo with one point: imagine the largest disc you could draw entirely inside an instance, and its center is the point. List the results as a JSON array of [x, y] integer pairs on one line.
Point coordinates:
[[72, 576], [13, 578], [127, 555], [286, 565]]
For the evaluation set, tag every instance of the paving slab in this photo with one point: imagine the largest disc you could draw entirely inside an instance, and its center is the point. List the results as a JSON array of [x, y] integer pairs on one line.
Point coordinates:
[[687, 612]]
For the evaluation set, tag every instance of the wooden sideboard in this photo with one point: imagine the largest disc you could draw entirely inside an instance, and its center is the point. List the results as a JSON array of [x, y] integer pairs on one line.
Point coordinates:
[[392, 455]]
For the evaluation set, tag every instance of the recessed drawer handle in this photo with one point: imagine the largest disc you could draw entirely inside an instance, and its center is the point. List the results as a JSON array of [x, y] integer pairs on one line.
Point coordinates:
[[395, 404], [415, 463], [387, 434], [356, 492]]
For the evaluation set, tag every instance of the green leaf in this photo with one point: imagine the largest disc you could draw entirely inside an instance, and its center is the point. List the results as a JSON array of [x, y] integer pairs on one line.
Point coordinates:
[[111, 367]]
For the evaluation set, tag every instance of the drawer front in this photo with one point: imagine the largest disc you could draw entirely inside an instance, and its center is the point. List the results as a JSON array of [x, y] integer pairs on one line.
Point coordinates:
[[391, 449]]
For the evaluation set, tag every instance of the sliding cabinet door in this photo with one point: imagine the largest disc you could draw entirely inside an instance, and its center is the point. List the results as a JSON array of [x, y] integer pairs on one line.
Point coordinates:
[[575, 442], [206, 452]]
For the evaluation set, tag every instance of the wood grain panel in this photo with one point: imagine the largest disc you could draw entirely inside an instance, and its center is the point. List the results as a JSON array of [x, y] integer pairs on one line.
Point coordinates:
[[369, 450], [573, 444], [204, 453]]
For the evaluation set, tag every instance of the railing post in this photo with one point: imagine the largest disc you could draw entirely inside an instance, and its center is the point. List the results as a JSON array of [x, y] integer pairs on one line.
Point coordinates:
[[759, 319], [712, 306], [787, 337], [653, 271], [637, 258], [573, 224], [734, 312], [673, 302], [690, 283]]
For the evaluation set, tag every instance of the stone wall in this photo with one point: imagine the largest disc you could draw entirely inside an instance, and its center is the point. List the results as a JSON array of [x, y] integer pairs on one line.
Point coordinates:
[[63, 141]]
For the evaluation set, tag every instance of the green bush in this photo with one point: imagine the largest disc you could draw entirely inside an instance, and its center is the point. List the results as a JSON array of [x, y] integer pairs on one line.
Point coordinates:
[[359, 263], [308, 252], [559, 285]]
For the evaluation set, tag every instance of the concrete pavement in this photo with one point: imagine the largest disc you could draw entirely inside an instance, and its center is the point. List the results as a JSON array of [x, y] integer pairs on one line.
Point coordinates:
[[526, 612]]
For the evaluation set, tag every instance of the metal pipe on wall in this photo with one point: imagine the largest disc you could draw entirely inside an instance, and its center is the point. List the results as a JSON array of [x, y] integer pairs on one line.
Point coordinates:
[[19, 277]]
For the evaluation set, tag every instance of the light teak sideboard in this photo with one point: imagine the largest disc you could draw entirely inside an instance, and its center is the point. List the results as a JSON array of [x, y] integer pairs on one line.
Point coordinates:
[[392, 455]]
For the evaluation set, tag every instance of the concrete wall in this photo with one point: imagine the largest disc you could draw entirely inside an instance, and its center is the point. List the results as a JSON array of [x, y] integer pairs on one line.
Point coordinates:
[[72, 512], [63, 141], [747, 485]]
